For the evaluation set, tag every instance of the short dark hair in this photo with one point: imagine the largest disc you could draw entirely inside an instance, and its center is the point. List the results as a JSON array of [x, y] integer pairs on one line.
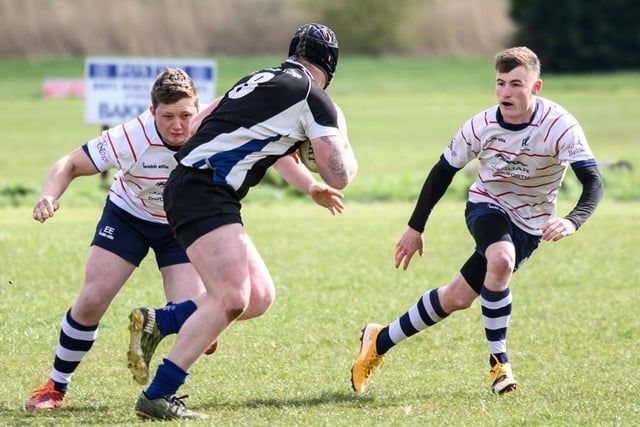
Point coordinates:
[[513, 57], [172, 85]]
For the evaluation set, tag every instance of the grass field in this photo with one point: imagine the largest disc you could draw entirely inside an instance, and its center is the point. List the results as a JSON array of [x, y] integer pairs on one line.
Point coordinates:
[[574, 336]]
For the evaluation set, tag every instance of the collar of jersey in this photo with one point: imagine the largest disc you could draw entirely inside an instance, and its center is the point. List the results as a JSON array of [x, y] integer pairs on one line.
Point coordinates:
[[296, 64], [514, 127]]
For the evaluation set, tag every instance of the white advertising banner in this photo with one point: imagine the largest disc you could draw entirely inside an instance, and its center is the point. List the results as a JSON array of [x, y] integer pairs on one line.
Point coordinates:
[[118, 89]]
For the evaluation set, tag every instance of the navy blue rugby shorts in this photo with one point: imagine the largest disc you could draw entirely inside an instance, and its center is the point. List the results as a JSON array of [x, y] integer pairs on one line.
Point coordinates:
[[195, 205], [131, 237], [489, 223]]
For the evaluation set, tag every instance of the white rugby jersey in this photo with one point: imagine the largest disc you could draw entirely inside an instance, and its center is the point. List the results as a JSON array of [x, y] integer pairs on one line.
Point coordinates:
[[521, 167], [265, 116], [144, 163]]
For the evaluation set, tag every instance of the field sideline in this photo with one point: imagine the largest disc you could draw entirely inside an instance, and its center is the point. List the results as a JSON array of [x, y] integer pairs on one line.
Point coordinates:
[[575, 332]]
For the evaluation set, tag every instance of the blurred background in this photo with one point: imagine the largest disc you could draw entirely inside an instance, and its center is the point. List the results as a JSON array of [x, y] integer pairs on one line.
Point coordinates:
[[569, 35]]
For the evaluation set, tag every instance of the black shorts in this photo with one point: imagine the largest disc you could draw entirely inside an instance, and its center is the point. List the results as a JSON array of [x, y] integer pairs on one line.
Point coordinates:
[[130, 238], [195, 205], [488, 224]]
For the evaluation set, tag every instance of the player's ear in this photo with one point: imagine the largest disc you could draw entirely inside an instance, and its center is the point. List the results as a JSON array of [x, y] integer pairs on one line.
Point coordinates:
[[537, 87], [152, 111]]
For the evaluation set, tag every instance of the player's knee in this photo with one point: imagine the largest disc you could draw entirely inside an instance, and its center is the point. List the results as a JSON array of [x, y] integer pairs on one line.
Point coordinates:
[[234, 313], [235, 304], [500, 263]]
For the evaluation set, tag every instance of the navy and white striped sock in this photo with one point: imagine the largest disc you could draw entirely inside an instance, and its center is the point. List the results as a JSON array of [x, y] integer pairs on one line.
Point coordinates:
[[75, 342], [496, 313], [426, 312]]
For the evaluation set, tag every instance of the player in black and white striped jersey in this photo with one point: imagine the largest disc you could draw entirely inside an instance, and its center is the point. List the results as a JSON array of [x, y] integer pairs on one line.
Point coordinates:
[[134, 221], [261, 120]]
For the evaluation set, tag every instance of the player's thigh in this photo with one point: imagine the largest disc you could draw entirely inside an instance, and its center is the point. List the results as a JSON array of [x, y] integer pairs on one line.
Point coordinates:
[[221, 258], [105, 275]]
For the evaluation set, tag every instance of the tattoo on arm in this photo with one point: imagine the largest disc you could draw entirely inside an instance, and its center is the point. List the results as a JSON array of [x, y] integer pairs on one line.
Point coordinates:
[[335, 158]]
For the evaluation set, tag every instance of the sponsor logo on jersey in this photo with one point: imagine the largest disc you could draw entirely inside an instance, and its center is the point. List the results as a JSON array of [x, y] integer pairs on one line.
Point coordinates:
[[102, 149], [152, 166], [450, 148], [494, 139], [576, 148], [513, 168], [507, 160]]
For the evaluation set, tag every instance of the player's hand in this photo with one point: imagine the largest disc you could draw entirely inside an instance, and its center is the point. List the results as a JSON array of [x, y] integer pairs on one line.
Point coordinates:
[[410, 242], [557, 228], [45, 208], [327, 197]]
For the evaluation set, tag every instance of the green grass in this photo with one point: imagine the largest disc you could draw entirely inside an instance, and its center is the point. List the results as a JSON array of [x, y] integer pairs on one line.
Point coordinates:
[[575, 330], [573, 338]]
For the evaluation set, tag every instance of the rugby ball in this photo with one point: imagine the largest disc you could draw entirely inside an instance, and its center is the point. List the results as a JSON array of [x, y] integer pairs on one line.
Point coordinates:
[[308, 157]]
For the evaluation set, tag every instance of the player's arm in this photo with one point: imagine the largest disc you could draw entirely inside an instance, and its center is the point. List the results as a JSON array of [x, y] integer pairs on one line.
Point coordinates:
[[297, 175], [433, 189], [75, 164], [335, 159], [592, 193]]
